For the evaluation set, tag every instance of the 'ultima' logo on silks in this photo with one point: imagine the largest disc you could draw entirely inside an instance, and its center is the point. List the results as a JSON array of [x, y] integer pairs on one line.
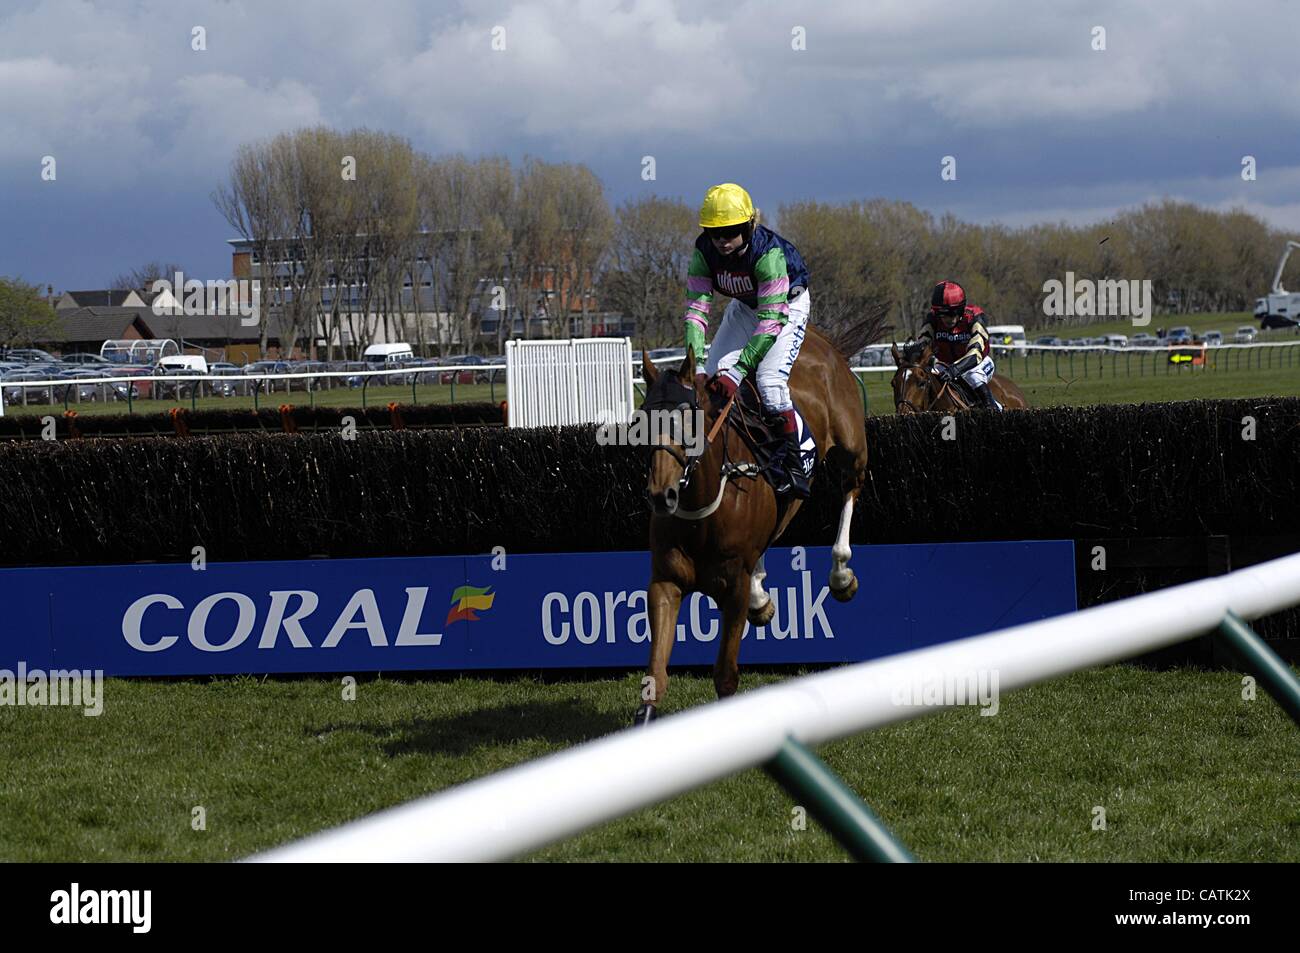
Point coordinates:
[[466, 599]]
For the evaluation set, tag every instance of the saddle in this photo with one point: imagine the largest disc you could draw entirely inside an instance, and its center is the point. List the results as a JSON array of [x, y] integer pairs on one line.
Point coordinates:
[[965, 391], [764, 435]]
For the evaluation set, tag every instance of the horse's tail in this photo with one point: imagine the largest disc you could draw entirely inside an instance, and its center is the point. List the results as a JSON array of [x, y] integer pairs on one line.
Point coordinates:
[[851, 328]]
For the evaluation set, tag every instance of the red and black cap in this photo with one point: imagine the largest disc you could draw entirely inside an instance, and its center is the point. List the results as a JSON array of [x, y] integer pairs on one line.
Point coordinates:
[[948, 297]]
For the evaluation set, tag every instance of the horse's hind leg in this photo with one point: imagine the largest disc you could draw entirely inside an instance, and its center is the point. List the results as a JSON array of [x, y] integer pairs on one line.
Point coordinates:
[[761, 608], [852, 447], [844, 583]]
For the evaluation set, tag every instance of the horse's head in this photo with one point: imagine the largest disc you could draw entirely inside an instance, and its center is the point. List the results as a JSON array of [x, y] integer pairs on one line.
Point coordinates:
[[674, 419], [911, 381]]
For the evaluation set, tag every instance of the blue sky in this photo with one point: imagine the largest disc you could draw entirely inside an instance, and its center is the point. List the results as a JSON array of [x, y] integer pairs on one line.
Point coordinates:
[[1043, 127]]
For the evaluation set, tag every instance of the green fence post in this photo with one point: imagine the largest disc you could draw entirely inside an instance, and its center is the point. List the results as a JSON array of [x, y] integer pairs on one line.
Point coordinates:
[[1256, 657], [834, 804], [862, 387]]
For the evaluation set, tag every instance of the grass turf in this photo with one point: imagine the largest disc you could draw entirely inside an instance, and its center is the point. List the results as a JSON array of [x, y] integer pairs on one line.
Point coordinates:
[[1184, 768]]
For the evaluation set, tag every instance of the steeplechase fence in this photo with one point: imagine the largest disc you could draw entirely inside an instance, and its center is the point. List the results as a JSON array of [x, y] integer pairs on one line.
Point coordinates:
[[527, 807]]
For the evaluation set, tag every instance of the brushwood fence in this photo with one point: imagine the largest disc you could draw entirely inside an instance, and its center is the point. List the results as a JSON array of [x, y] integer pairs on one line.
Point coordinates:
[[1170, 492]]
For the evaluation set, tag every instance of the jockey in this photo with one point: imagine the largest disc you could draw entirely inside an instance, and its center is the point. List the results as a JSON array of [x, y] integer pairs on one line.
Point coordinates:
[[957, 333], [764, 322]]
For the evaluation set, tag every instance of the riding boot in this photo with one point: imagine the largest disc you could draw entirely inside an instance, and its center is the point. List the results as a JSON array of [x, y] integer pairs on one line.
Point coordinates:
[[986, 397], [794, 481]]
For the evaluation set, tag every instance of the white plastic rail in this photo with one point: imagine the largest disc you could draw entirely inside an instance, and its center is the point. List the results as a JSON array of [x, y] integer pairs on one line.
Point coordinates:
[[526, 807]]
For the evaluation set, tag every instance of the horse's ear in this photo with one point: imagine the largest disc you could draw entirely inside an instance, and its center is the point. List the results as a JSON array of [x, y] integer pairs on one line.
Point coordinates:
[[893, 349], [926, 354], [687, 371], [649, 373]]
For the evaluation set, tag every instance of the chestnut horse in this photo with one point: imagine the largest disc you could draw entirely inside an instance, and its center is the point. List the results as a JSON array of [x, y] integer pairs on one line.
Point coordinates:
[[917, 388], [713, 516]]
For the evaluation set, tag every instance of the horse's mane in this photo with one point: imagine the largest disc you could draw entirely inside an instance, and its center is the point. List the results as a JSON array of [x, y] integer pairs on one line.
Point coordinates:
[[849, 330]]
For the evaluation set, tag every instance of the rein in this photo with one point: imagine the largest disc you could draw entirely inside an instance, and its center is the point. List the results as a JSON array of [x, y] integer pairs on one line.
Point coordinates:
[[945, 388], [672, 495]]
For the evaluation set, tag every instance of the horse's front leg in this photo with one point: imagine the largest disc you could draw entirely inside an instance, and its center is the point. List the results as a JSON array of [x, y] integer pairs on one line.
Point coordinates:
[[665, 599], [761, 608], [735, 607]]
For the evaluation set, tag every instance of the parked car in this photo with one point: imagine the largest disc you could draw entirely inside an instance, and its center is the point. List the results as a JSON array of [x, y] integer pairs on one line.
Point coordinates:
[[29, 355], [874, 355], [1213, 338], [1179, 335], [177, 390], [466, 376], [355, 380], [231, 383], [82, 358], [1047, 340], [388, 355], [14, 394], [267, 367], [1246, 334], [1116, 340], [1143, 340], [307, 367], [79, 391]]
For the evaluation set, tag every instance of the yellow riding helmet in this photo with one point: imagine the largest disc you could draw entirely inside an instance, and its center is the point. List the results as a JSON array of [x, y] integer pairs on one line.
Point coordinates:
[[726, 204]]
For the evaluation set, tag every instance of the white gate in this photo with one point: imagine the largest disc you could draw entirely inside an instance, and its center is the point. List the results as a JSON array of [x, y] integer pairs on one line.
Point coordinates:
[[556, 383]]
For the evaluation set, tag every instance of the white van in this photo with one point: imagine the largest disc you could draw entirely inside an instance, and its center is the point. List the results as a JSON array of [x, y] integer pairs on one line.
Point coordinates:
[[1005, 337], [183, 362], [388, 353]]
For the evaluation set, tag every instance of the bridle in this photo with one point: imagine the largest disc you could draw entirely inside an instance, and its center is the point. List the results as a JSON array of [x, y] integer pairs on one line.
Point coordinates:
[[672, 495], [899, 404], [944, 388]]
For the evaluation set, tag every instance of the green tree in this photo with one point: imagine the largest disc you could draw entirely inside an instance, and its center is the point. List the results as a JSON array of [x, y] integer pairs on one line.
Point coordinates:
[[25, 317]]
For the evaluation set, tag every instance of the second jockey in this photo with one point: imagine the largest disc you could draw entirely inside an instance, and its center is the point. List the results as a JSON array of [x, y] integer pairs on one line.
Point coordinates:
[[764, 323], [959, 336]]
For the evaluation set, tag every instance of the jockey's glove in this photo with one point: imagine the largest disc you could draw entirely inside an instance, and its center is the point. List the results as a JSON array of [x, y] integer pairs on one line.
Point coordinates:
[[965, 364], [725, 383]]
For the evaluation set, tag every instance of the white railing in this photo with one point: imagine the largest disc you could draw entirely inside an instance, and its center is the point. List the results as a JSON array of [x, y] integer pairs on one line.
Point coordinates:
[[574, 381], [120, 380], [524, 808]]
